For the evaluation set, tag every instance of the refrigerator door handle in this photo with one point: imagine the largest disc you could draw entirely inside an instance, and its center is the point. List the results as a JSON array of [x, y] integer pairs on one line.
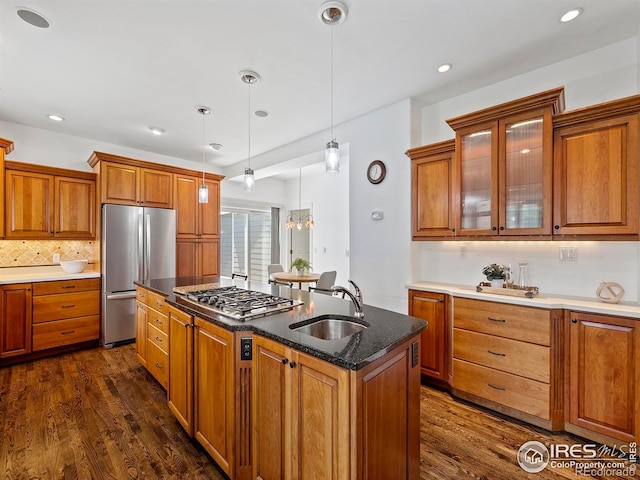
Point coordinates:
[[121, 296], [140, 248], [147, 256]]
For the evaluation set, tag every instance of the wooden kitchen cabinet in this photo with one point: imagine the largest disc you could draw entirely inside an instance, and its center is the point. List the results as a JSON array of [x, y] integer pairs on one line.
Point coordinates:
[[44, 202], [603, 367], [6, 147], [180, 389], [509, 358], [152, 333], [197, 227], [141, 330], [15, 319], [313, 419], [432, 190], [197, 258], [65, 312], [435, 340], [503, 167], [596, 170], [126, 181]]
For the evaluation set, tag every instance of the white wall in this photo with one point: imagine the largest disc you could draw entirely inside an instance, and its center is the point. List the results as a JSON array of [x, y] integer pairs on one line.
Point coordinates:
[[327, 197], [596, 77]]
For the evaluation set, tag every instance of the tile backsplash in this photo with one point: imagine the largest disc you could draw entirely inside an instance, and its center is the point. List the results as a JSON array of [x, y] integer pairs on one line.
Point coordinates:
[[24, 253]]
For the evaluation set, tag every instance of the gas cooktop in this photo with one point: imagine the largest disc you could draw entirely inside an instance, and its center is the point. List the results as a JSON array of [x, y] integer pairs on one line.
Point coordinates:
[[238, 303]]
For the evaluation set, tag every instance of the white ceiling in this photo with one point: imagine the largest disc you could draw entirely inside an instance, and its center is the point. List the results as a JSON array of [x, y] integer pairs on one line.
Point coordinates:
[[112, 68]]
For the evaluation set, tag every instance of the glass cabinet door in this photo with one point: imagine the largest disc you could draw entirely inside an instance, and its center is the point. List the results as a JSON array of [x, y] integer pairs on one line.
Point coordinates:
[[478, 180], [525, 176]]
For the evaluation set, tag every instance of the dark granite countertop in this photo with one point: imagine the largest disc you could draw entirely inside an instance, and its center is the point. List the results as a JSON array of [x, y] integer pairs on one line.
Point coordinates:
[[385, 330]]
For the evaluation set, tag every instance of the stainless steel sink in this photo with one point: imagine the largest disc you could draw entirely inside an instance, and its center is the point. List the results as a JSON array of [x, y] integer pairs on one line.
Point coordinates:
[[330, 327]]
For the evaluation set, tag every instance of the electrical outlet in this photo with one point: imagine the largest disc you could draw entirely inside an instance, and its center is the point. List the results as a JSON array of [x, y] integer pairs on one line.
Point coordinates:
[[463, 251], [568, 254], [56, 258]]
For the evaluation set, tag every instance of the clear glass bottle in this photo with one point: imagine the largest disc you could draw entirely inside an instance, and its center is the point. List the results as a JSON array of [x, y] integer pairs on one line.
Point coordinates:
[[523, 275], [508, 275]]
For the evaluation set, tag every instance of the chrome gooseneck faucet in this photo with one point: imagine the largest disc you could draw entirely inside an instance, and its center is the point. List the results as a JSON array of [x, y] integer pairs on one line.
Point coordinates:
[[355, 298]]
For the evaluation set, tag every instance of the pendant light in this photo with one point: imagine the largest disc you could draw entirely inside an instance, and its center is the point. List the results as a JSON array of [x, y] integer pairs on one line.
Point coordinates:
[[332, 14], [203, 191], [250, 78], [291, 223]]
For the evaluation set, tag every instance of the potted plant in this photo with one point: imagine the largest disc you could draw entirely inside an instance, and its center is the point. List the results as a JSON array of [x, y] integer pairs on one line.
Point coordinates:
[[495, 274], [300, 264]]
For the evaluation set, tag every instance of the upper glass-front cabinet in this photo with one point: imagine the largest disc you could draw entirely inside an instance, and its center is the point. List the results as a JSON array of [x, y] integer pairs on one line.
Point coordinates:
[[503, 167]]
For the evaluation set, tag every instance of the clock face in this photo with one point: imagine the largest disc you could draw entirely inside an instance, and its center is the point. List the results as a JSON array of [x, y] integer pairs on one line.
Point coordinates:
[[376, 171]]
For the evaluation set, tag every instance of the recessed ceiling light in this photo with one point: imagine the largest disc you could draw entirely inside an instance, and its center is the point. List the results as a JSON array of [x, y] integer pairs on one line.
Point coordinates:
[[445, 67], [571, 15], [157, 130], [33, 18], [261, 113], [56, 118], [216, 146]]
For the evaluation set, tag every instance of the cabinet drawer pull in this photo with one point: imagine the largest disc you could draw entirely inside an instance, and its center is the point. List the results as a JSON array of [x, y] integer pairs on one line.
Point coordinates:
[[499, 320], [68, 286], [159, 304], [158, 339], [158, 365], [158, 321], [67, 333], [497, 354], [67, 306], [497, 388]]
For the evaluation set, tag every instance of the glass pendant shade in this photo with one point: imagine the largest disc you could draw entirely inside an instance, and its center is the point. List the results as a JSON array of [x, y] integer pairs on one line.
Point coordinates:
[[332, 157], [249, 180], [310, 223], [203, 193], [290, 223]]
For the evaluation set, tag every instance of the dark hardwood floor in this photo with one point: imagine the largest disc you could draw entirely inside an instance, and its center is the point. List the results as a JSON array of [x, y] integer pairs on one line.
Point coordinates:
[[97, 414]]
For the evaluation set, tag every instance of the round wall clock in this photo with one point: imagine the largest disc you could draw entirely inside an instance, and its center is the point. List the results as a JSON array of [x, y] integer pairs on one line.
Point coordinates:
[[376, 171]]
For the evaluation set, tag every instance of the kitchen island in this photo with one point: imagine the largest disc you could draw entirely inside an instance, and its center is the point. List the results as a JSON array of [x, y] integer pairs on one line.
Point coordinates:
[[267, 401]]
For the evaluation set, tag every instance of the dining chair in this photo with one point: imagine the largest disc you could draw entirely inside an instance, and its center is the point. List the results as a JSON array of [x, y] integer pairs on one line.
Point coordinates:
[[274, 268], [324, 283]]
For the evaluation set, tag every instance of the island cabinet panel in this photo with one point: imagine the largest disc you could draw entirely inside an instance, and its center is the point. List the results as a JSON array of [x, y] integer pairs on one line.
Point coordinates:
[[141, 331], [314, 419], [15, 319], [152, 333], [596, 176], [436, 338], [603, 377], [432, 199], [214, 393], [180, 391], [510, 358]]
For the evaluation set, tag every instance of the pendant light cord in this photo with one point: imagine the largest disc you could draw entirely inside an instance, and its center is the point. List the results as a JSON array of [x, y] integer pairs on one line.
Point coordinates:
[[249, 117], [331, 83], [300, 192], [203, 147]]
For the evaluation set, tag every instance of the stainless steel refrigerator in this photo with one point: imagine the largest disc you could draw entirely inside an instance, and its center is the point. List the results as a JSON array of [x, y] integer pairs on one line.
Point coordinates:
[[138, 244]]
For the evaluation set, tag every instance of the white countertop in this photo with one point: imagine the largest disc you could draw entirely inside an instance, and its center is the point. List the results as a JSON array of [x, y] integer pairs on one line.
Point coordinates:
[[42, 274], [542, 300]]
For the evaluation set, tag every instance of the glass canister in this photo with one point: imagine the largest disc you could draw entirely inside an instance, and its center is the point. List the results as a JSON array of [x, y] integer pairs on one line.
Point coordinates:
[[523, 275]]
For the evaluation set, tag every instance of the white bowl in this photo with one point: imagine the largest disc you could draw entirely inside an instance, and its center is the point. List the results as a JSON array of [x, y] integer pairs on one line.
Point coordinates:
[[73, 266]]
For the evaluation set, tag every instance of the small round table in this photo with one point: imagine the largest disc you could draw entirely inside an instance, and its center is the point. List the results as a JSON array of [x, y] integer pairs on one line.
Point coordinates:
[[292, 277]]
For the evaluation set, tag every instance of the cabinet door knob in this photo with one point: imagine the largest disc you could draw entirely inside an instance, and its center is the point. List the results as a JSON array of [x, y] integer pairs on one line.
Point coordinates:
[[501, 228], [557, 227], [292, 364], [573, 320], [285, 361], [493, 228]]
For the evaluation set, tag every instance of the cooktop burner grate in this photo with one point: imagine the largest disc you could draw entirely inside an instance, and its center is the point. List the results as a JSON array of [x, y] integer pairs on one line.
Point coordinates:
[[239, 303]]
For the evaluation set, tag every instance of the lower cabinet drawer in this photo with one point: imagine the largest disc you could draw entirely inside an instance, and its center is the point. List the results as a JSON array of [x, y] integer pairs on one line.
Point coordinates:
[[65, 332], [512, 356], [529, 396], [158, 319], [158, 363], [69, 305], [157, 337]]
